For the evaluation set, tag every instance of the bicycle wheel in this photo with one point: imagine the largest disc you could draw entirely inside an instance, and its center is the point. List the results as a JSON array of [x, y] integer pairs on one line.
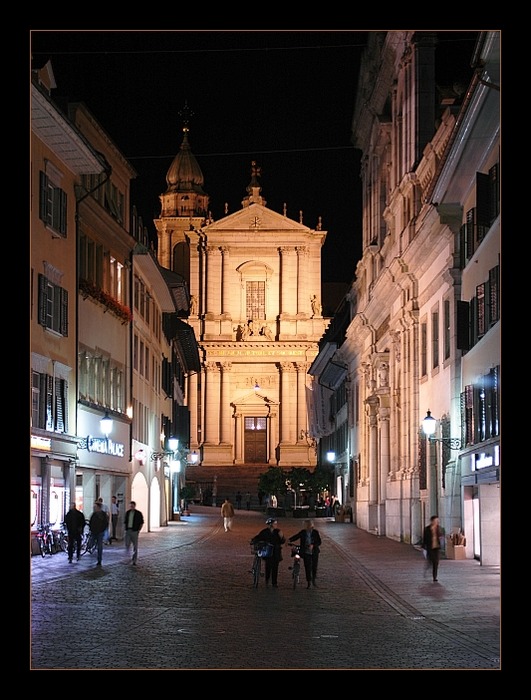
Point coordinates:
[[42, 549], [256, 570], [63, 542]]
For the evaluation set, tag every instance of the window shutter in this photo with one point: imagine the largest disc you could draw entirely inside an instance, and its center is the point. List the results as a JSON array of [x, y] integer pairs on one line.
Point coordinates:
[[43, 298], [49, 405], [463, 326], [43, 196], [482, 201], [494, 192], [63, 327]]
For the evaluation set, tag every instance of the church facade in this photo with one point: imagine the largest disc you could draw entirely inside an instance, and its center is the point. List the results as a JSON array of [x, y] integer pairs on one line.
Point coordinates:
[[255, 283]]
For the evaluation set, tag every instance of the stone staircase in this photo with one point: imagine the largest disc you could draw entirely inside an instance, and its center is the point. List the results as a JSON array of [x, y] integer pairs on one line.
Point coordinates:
[[228, 481]]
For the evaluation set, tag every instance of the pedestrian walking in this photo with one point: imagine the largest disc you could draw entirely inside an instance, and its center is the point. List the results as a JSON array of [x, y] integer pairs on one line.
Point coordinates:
[[275, 537], [310, 543], [115, 513], [98, 524], [105, 509], [248, 500], [238, 500], [227, 513], [134, 520], [75, 524], [431, 543]]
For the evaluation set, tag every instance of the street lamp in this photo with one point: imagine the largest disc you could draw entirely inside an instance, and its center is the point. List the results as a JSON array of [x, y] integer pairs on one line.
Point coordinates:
[[175, 468], [429, 425], [106, 424]]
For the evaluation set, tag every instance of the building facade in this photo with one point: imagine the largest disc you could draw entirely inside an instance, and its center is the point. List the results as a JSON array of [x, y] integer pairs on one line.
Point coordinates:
[[424, 333], [59, 156], [106, 338], [255, 285]]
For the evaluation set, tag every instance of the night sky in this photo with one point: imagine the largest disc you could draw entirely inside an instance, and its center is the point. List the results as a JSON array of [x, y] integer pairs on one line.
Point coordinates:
[[283, 98]]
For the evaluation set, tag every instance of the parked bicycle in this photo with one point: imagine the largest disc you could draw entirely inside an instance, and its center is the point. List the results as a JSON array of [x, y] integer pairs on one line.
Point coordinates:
[[88, 542], [60, 538], [261, 550], [45, 539], [295, 568]]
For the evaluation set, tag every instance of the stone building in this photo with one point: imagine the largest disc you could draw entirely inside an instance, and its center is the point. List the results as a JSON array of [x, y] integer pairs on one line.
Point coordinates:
[[255, 285], [421, 330]]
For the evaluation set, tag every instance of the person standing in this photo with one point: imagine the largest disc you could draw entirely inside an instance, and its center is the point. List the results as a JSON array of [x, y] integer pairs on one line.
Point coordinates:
[[310, 543], [75, 524], [115, 512], [248, 500], [238, 500], [98, 524], [133, 522], [275, 537], [227, 513], [431, 543]]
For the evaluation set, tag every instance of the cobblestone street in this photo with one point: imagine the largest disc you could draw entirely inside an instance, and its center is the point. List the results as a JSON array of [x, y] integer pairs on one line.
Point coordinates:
[[189, 604]]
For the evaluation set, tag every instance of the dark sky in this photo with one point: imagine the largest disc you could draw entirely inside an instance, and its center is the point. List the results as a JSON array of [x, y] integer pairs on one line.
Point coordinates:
[[284, 98]]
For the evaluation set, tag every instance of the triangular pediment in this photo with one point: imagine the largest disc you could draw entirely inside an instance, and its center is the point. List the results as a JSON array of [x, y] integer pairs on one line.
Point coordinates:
[[256, 218], [254, 398]]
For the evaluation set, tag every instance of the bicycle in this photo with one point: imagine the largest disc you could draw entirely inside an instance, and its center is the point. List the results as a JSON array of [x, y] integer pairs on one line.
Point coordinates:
[[45, 540], [261, 550], [296, 567], [61, 539], [88, 543]]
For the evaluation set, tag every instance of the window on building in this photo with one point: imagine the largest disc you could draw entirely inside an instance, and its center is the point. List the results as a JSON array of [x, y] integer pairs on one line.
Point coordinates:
[[434, 339], [255, 299], [447, 330], [101, 380], [53, 306], [49, 409], [52, 205], [423, 349]]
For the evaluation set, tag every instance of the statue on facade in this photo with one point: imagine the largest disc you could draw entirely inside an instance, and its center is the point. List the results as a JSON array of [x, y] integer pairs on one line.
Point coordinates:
[[316, 306], [265, 330]]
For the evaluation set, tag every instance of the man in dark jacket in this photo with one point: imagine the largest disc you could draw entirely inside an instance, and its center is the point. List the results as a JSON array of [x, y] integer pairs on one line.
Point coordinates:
[[274, 536], [75, 524], [310, 543], [431, 543], [98, 524], [133, 524]]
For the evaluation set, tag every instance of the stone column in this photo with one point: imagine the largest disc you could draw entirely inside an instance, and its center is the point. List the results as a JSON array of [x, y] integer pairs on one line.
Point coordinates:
[[288, 277], [225, 280], [273, 437], [226, 420], [212, 403], [286, 404], [213, 275], [302, 280], [372, 402], [302, 413], [191, 402]]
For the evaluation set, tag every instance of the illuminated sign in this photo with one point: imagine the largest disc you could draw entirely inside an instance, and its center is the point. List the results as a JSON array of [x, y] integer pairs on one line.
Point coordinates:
[[482, 460], [41, 443], [104, 446]]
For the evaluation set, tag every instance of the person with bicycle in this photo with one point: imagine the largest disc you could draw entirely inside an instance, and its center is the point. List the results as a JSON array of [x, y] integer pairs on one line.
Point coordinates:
[[310, 543], [98, 524], [75, 524], [274, 536]]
